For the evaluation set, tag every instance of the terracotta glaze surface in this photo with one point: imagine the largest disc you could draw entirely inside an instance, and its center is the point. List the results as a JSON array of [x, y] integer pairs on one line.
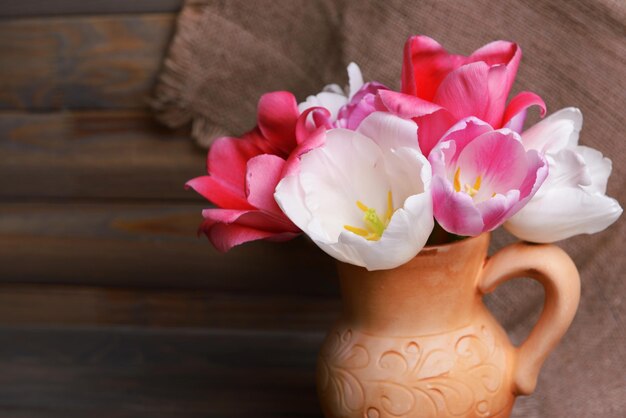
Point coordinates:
[[417, 340]]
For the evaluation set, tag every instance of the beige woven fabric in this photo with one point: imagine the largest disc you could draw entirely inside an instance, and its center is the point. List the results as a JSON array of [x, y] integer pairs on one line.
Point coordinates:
[[226, 54]]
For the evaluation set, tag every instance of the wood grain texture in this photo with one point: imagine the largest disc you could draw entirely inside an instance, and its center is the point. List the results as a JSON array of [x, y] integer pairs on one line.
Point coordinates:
[[149, 245], [90, 62], [32, 8], [59, 305], [95, 154], [115, 373]]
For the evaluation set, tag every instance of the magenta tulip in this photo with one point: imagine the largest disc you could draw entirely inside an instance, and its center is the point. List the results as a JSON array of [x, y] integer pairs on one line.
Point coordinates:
[[439, 89], [243, 173]]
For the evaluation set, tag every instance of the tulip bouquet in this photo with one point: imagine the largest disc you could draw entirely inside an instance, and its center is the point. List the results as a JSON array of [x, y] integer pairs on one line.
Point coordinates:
[[373, 175]]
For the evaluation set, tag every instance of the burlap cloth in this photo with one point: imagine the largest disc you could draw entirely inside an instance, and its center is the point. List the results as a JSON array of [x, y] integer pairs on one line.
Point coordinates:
[[227, 53]]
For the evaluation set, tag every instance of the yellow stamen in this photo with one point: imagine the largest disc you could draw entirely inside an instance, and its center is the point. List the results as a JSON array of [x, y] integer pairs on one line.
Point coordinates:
[[477, 183], [374, 225], [361, 206], [470, 190], [389, 211], [359, 231]]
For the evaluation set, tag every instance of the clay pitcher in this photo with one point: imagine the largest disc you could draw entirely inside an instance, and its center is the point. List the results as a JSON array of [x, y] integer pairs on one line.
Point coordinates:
[[417, 340]]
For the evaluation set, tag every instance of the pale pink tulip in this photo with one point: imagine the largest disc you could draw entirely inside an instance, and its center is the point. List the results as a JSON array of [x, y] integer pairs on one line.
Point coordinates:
[[482, 177]]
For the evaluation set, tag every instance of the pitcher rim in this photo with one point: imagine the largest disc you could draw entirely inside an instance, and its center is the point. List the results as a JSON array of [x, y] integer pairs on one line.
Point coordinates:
[[464, 241]]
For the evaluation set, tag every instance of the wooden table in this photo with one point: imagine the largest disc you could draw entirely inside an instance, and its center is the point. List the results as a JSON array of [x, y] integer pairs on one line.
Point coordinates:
[[110, 306]]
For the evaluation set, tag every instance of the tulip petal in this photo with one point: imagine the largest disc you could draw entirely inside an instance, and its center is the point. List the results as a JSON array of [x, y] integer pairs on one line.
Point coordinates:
[[406, 162], [328, 100], [432, 120], [521, 103], [220, 193], [562, 213], [354, 114], [598, 167], [226, 236], [361, 105], [441, 159], [498, 158], [559, 130], [227, 228], [355, 79], [277, 116], [498, 93], [567, 169], [455, 212], [291, 198], [311, 120], [537, 173], [253, 218], [405, 106], [263, 174], [431, 129], [217, 215], [426, 63], [465, 92], [516, 123], [462, 133], [228, 158], [499, 53], [495, 210], [389, 131], [311, 141], [419, 208]]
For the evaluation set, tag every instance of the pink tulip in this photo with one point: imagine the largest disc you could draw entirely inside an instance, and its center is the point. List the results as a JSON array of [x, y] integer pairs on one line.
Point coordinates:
[[243, 173], [482, 177], [439, 88], [346, 107]]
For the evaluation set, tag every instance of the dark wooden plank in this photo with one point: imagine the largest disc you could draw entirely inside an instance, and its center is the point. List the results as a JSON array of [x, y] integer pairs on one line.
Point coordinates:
[[31, 8], [61, 305], [81, 62], [116, 373], [112, 154], [147, 245]]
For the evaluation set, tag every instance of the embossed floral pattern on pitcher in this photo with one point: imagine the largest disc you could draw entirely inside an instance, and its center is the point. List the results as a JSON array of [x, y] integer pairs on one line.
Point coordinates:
[[467, 377], [417, 341]]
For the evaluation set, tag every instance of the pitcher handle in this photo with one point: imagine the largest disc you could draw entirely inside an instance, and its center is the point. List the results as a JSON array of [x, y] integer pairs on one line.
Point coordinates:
[[556, 272]]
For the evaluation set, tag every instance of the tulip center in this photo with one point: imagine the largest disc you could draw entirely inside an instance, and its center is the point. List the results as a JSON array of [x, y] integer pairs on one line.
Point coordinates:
[[470, 190], [374, 224]]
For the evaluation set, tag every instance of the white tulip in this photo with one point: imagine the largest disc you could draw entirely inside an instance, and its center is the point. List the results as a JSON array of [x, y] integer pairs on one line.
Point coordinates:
[[332, 96], [573, 198], [364, 196]]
